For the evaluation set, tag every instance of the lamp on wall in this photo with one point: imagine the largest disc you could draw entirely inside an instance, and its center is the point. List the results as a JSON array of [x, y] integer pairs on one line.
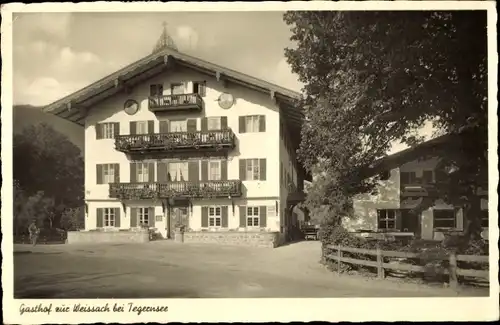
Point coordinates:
[[87, 209], [124, 208], [232, 202]]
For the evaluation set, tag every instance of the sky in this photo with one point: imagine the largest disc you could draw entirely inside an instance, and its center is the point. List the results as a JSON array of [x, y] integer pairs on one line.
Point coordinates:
[[56, 54]]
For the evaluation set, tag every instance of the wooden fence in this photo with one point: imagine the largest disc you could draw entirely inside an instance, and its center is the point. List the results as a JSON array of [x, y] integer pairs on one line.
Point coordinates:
[[452, 270]]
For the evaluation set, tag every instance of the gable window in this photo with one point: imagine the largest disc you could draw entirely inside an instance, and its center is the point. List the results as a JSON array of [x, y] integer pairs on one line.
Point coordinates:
[[177, 88], [252, 169], [156, 90], [214, 170], [200, 88], [408, 177], [253, 216], [142, 172], [143, 215], [386, 219], [213, 123], [109, 217], [444, 219], [214, 216]]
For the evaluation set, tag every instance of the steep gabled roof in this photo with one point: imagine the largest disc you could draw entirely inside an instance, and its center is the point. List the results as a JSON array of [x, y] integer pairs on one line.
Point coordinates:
[[73, 107]]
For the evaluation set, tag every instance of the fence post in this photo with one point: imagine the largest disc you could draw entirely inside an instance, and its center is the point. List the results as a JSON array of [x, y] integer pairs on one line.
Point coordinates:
[[339, 256], [380, 264], [453, 270]]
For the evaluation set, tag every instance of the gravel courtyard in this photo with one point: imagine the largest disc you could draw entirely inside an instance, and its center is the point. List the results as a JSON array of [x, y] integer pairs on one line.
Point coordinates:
[[166, 269]]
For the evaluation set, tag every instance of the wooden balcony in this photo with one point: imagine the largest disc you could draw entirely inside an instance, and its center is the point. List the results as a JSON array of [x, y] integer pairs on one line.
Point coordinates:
[[176, 141], [183, 102], [201, 189]]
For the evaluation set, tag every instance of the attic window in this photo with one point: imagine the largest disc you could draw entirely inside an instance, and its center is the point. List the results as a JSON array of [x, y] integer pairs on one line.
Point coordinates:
[[200, 88]]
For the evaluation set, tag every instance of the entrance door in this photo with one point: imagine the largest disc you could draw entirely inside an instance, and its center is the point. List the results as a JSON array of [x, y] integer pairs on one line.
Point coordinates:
[[178, 216], [410, 221]]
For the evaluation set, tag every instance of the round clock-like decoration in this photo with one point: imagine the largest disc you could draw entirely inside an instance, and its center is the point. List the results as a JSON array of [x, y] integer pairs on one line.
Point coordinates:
[[226, 100], [131, 106]]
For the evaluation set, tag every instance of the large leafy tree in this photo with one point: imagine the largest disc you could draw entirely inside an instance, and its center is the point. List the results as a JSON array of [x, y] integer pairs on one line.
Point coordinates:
[[49, 167], [373, 78]]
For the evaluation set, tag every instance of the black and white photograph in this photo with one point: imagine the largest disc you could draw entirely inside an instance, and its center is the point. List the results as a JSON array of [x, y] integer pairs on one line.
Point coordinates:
[[304, 151]]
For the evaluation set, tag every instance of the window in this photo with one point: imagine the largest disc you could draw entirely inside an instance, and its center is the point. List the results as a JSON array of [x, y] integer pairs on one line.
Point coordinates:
[[143, 214], [214, 170], [484, 218], [178, 171], [178, 126], [108, 130], [109, 217], [177, 88], [213, 123], [214, 216], [252, 169], [156, 90], [428, 176], [142, 170], [252, 123], [408, 177], [142, 127], [200, 88], [108, 173], [444, 219], [252, 216], [386, 219]]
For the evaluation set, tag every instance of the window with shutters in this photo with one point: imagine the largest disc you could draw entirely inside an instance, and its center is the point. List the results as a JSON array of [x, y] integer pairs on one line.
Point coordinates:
[[142, 172], [109, 217], [108, 173], [252, 169], [178, 126], [200, 88], [213, 123], [484, 219], [386, 219], [214, 216], [142, 127], [143, 216], [253, 216], [252, 123], [108, 130], [214, 170], [178, 171], [408, 177], [444, 219]]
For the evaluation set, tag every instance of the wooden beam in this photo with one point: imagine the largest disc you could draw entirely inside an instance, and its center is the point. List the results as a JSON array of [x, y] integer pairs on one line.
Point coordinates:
[[221, 79], [273, 96], [118, 82]]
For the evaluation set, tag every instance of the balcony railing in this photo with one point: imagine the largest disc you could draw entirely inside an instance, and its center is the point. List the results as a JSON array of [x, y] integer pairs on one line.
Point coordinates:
[[200, 189], [165, 103], [221, 139]]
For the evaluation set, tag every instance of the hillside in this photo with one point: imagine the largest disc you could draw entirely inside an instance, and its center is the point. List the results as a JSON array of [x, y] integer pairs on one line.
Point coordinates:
[[26, 115]]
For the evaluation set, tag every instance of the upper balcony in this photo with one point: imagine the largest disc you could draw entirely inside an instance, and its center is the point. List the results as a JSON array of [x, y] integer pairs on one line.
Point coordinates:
[[218, 140], [200, 189], [171, 103]]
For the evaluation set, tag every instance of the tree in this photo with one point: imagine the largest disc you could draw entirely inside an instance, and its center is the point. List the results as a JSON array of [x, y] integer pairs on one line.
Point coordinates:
[[372, 78], [45, 160], [73, 219]]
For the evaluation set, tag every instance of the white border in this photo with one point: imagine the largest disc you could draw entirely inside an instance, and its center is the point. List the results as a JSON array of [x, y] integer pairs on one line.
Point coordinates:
[[256, 310]]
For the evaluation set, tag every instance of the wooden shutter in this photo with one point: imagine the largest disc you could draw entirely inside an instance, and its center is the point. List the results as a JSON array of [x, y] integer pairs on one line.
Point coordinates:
[[99, 217], [194, 171], [223, 170], [163, 126], [262, 123], [223, 122], [151, 214], [99, 174], [152, 90], [98, 131], [117, 217], [133, 217], [242, 125], [133, 127], [243, 216], [204, 170], [116, 168], [204, 217], [116, 129], [191, 125], [398, 222], [151, 127], [243, 169], [133, 172], [224, 218], [263, 216], [162, 171], [404, 178], [262, 169], [204, 124], [151, 172]]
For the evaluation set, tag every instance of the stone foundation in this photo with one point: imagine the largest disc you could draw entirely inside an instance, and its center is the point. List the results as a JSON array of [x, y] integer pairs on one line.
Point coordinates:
[[240, 238], [80, 237]]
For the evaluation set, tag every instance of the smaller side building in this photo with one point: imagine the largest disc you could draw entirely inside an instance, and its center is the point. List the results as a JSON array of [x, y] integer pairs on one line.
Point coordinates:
[[408, 178]]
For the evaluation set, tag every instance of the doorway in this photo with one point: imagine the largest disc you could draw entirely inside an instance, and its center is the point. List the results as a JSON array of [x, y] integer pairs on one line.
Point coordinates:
[[411, 222], [178, 216]]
